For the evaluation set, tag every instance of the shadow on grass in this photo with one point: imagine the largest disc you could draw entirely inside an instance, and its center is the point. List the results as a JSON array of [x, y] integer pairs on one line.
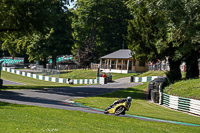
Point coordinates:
[[21, 87], [7, 105], [65, 72]]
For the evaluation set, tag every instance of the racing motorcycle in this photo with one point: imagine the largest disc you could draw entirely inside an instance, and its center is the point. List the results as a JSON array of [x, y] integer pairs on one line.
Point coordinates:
[[118, 109]]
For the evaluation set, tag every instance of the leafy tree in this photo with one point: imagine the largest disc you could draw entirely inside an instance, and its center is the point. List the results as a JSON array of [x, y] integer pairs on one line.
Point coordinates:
[[28, 15], [41, 26], [84, 55], [185, 21], [102, 23], [159, 29]]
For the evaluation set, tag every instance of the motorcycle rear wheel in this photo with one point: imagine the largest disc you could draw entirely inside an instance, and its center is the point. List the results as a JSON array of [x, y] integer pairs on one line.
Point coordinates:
[[105, 112], [119, 111]]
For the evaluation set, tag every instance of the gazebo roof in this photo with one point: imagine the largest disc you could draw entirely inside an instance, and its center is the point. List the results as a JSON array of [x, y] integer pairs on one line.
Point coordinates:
[[120, 54]]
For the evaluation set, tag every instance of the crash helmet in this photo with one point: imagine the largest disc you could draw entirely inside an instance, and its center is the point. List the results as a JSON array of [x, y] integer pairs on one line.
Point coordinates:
[[129, 99]]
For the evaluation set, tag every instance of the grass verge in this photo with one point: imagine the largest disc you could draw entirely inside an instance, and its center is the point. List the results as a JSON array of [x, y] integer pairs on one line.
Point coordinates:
[[185, 88], [152, 73], [139, 106], [30, 83], [20, 118], [90, 74]]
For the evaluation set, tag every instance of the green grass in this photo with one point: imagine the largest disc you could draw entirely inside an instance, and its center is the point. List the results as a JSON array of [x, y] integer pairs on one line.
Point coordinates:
[[185, 88], [30, 83], [158, 73], [139, 106], [122, 75], [20, 118], [90, 74], [153, 73], [79, 74]]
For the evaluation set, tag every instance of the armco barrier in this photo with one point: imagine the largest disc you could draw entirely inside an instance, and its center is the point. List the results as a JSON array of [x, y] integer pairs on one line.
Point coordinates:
[[143, 79], [98, 80], [181, 104]]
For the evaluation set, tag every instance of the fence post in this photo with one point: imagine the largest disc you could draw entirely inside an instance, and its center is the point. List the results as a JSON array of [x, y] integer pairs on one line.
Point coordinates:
[[160, 93], [102, 80], [1, 81]]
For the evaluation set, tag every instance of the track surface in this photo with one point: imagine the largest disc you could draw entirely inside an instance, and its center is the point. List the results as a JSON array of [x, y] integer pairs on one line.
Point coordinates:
[[61, 97], [7, 82]]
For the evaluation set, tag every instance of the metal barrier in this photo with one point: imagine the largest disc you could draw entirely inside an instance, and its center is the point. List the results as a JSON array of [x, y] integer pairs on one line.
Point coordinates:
[[143, 79], [181, 103]]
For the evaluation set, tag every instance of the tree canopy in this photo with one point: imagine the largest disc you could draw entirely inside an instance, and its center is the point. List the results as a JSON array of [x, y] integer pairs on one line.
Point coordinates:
[[162, 29], [40, 27], [102, 24], [153, 29]]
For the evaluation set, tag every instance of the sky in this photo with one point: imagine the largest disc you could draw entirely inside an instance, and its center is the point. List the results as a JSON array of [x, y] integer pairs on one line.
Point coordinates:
[[71, 4]]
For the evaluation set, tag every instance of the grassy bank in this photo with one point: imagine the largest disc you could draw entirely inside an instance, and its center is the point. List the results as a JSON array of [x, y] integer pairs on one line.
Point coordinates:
[[20, 118], [90, 74], [185, 88], [29, 83], [152, 73], [139, 106]]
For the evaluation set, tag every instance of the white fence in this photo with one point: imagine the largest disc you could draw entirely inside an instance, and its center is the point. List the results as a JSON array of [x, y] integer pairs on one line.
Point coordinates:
[[98, 80], [181, 104]]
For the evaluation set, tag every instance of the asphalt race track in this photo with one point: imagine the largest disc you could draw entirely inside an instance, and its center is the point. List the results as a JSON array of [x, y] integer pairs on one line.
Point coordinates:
[[59, 97], [62, 98], [7, 82]]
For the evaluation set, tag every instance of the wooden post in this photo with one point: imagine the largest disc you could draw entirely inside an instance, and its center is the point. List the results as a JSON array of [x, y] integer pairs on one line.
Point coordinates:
[[127, 65], [107, 64], [122, 64], [116, 63], [110, 66], [100, 62]]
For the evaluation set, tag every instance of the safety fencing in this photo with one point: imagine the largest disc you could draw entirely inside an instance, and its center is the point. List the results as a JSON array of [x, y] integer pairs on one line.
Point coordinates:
[[143, 79], [174, 102], [98, 80], [180, 103]]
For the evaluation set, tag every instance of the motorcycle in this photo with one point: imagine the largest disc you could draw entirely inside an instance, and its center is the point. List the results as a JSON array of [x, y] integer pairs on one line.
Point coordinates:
[[118, 109]]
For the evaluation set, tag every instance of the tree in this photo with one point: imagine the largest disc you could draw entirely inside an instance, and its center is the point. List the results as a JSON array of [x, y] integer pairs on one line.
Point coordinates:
[[43, 27], [183, 26], [102, 23], [84, 55], [28, 15], [57, 42], [165, 29]]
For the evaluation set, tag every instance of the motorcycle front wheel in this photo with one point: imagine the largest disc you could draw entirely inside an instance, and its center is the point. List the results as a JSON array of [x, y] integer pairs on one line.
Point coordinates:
[[120, 110]]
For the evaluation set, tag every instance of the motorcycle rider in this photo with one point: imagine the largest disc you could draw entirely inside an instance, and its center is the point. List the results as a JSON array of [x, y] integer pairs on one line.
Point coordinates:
[[128, 99]]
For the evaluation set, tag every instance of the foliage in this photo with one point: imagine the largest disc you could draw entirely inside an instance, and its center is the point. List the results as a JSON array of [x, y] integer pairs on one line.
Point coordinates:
[[165, 28], [28, 15], [99, 25], [42, 28], [145, 30]]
